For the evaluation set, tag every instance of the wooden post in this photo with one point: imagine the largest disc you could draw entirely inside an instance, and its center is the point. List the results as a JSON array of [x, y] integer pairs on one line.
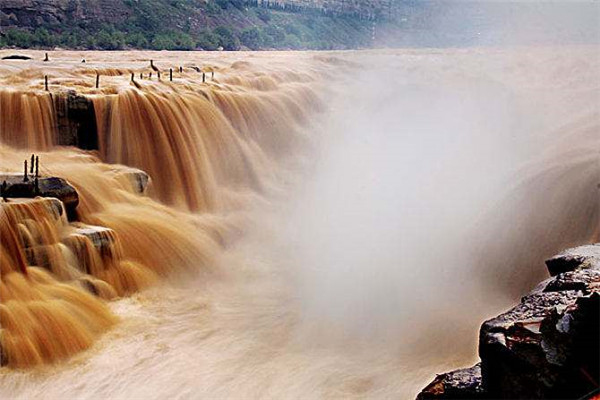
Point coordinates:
[[171, 74], [141, 75], [37, 166], [46, 82], [46, 58], [25, 178], [180, 69], [31, 166], [97, 81], [212, 75], [203, 77]]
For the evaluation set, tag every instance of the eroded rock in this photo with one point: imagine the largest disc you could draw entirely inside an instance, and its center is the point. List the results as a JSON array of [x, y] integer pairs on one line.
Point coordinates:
[[546, 347], [462, 384], [516, 362]]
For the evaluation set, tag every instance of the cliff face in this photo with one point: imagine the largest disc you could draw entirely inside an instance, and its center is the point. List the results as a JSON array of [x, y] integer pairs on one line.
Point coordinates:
[[34, 13], [364, 8], [179, 25]]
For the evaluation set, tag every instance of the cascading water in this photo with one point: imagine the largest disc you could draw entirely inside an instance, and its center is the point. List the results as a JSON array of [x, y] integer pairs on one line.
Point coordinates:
[[285, 252]]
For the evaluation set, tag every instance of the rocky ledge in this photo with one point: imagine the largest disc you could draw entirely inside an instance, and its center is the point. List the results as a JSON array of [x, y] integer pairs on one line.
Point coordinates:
[[17, 187], [546, 347]]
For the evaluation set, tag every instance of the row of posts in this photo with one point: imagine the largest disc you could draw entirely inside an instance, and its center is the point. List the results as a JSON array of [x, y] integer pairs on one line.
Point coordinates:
[[212, 75]]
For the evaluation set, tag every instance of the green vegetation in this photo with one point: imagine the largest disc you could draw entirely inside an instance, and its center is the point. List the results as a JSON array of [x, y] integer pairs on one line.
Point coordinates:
[[185, 25]]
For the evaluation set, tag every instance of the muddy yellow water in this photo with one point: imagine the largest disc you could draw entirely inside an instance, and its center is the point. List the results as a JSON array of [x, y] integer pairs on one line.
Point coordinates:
[[318, 224]]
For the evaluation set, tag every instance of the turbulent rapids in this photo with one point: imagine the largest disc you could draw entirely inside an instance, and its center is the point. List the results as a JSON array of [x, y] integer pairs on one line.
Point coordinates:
[[282, 224]]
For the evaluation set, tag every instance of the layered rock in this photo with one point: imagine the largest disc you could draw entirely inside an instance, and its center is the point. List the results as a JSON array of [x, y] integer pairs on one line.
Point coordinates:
[[545, 347]]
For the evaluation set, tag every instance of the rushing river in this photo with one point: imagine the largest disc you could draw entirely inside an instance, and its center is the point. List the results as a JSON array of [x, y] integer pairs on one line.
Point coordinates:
[[319, 225]]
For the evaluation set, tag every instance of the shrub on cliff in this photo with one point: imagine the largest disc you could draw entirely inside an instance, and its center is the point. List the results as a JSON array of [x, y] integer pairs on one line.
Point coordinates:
[[252, 38], [226, 38]]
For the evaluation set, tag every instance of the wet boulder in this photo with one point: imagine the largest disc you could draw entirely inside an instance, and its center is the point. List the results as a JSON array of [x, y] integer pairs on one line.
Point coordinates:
[[139, 179], [95, 247]]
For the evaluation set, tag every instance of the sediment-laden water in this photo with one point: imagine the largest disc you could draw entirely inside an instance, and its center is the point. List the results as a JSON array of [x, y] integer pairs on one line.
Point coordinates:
[[317, 224]]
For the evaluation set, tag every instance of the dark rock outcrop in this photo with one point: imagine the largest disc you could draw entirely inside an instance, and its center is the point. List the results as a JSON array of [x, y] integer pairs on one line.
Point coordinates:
[[16, 57], [583, 257], [76, 119], [546, 347], [464, 384], [46, 187]]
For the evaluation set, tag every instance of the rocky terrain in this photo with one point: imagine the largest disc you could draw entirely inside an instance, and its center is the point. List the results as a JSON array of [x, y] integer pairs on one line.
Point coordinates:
[[546, 347]]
